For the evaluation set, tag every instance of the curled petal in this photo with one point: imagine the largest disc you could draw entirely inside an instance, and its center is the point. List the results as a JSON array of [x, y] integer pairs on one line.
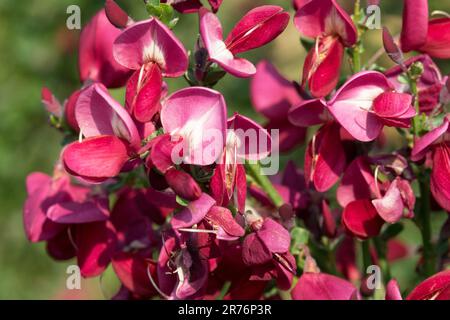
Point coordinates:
[[222, 217]]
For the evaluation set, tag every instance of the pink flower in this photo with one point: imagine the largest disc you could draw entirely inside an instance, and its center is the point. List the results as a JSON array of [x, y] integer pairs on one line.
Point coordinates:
[[111, 140], [419, 33], [258, 27], [273, 96], [333, 29], [96, 61], [322, 286], [152, 50], [367, 102], [201, 127]]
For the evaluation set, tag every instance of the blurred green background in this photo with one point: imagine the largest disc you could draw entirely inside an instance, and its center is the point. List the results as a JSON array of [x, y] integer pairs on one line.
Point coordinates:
[[36, 50]]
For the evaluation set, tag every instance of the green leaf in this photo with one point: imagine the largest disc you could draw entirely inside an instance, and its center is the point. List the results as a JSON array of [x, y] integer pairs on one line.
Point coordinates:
[[299, 236], [181, 201]]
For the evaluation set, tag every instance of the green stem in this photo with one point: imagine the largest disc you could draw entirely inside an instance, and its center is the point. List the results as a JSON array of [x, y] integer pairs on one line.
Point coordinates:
[[424, 225], [367, 259], [356, 53], [380, 247], [416, 120], [224, 291], [254, 170]]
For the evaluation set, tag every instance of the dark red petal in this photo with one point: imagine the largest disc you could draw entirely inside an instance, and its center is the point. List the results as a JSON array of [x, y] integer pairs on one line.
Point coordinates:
[[361, 219], [183, 184], [435, 287], [254, 252]]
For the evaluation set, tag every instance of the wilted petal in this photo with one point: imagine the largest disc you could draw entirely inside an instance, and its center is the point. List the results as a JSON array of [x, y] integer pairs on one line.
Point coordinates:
[[51, 103], [96, 159], [256, 28], [97, 113], [361, 219], [150, 41], [271, 94], [193, 213], [351, 104], [391, 48], [322, 286], [329, 223], [415, 24], [96, 61], [198, 115]]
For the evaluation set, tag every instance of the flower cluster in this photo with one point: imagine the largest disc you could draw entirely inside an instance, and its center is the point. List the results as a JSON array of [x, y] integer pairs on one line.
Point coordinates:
[[169, 191]]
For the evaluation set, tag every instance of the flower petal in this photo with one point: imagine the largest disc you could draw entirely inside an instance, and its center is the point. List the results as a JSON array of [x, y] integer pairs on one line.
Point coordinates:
[[415, 24], [198, 115], [440, 175], [438, 39], [421, 145], [308, 113], [193, 213], [151, 41], [322, 286], [391, 206], [96, 159], [274, 236], [351, 104], [361, 219]]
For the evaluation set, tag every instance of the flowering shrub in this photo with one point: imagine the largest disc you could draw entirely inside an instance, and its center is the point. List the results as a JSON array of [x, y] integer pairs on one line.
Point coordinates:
[[168, 190]]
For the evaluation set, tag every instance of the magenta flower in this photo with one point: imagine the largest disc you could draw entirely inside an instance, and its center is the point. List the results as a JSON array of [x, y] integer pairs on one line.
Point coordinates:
[[258, 27], [367, 102], [96, 61], [229, 177], [437, 143], [273, 96], [111, 140], [429, 85], [322, 286], [419, 33], [201, 127], [333, 29], [152, 50]]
